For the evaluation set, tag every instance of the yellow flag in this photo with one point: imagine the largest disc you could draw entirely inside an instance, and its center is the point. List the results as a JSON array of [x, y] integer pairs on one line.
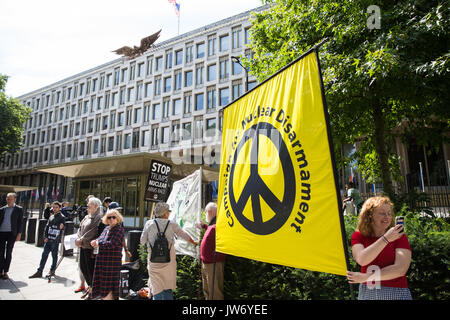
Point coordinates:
[[277, 194]]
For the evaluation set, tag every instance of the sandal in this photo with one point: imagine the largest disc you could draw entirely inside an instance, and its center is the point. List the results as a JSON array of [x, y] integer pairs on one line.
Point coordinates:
[[86, 293], [80, 289]]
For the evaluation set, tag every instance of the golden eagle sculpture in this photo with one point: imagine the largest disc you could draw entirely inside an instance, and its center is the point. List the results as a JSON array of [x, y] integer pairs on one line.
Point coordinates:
[[146, 43]]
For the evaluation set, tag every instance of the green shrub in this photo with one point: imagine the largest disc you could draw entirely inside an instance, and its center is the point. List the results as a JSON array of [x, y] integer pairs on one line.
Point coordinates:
[[428, 275]]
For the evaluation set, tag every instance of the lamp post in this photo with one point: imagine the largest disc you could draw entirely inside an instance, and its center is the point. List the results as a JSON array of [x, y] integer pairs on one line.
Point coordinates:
[[238, 61]]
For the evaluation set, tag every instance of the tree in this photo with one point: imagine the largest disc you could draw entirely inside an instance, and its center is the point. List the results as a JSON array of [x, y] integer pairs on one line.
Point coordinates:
[[13, 115], [375, 79]]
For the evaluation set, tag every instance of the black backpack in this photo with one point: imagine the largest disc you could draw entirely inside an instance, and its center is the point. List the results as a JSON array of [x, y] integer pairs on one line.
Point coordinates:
[[160, 250]]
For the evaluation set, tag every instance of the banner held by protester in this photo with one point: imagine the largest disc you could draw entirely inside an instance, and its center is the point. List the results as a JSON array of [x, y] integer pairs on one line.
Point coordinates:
[[185, 208], [278, 200]]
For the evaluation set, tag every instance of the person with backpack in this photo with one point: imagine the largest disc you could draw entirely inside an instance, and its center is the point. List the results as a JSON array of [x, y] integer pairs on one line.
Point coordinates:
[[158, 235]]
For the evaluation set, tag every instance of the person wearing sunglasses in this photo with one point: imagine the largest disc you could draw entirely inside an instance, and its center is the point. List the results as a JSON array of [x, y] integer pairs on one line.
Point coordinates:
[[109, 258]]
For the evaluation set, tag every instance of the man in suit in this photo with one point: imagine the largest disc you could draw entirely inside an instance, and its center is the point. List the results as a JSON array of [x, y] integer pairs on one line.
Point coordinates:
[[11, 219]]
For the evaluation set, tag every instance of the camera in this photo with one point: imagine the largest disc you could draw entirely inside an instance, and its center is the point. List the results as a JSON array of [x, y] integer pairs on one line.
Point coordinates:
[[79, 211]]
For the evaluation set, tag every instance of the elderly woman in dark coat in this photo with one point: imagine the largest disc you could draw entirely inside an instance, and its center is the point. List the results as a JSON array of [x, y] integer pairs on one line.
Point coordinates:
[[109, 259]]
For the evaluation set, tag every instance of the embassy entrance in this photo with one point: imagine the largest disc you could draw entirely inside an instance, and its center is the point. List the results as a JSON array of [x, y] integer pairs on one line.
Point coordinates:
[[125, 190], [124, 179]]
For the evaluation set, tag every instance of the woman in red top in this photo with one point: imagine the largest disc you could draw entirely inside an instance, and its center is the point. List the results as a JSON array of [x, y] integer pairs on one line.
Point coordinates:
[[383, 252]]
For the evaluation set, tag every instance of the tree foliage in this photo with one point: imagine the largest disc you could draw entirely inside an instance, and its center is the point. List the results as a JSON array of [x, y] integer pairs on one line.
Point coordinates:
[[376, 80], [13, 115]]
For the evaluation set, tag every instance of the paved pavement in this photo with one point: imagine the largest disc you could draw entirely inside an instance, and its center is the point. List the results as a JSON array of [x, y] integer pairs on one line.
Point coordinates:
[[25, 260]]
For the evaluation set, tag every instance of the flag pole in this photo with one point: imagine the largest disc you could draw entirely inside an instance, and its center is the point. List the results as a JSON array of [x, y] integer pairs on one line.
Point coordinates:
[[333, 161]]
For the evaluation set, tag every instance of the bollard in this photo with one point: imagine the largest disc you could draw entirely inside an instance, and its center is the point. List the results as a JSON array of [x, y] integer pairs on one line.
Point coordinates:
[[40, 232], [68, 229], [24, 229], [31, 230], [124, 285], [134, 238]]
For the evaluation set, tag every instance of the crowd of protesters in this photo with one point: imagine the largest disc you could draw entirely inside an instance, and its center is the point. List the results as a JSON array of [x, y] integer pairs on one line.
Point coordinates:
[[377, 244]]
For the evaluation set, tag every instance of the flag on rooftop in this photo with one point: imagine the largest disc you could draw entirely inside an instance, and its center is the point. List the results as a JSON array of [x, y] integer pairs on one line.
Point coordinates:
[[176, 6]]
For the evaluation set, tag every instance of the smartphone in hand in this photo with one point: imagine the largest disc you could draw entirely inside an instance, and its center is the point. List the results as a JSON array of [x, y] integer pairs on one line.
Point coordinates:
[[400, 220]]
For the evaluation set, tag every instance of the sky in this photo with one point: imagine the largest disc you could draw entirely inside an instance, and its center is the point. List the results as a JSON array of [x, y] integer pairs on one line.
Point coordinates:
[[44, 41]]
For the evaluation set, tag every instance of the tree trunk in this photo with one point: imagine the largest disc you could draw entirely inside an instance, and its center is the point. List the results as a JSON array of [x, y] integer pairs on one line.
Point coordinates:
[[382, 149]]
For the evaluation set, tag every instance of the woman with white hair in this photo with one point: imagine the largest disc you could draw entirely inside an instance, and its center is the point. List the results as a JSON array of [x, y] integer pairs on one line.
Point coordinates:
[[90, 228], [162, 276]]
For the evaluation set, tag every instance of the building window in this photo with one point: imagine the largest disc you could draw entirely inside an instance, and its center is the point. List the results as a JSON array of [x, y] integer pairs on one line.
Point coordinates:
[[176, 107], [211, 98], [189, 54], [147, 110], [130, 94], [148, 90], [119, 141], [237, 39], [167, 84], [140, 70], [132, 72], [178, 57], [112, 121], [177, 81], [135, 140], [198, 128], [224, 43], [247, 35], [149, 66], [212, 72], [122, 95], [157, 87], [110, 144], [187, 104], [156, 111], [237, 69], [137, 115], [145, 138], [211, 127], [200, 50], [165, 135], [237, 90], [121, 119], [127, 143], [199, 101], [175, 132], [169, 57], [188, 78], [124, 75], [95, 147], [105, 123], [199, 74], [224, 69], [224, 95], [186, 134], [155, 136], [128, 119], [158, 64], [166, 107], [116, 77], [212, 47], [139, 87]]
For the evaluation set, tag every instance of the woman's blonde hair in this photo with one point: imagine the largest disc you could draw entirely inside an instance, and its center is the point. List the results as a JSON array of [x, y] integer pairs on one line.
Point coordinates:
[[365, 217], [119, 217]]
